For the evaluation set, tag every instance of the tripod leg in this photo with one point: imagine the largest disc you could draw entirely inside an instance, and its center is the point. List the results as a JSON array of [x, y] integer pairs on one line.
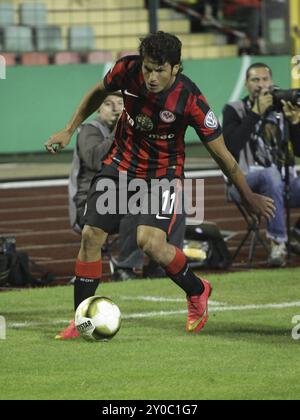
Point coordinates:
[[241, 245], [253, 244]]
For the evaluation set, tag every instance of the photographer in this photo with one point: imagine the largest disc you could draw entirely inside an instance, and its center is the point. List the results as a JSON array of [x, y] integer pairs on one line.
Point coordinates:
[[253, 132]]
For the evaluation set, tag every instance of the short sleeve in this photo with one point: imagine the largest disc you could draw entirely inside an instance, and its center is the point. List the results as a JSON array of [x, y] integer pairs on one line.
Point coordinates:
[[203, 119], [117, 76]]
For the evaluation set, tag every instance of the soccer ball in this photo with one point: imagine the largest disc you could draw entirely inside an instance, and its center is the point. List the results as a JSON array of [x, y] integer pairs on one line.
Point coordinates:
[[97, 318]]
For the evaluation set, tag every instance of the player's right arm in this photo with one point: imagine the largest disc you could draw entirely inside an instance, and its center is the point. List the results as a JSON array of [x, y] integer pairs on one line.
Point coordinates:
[[89, 104], [255, 203], [208, 128]]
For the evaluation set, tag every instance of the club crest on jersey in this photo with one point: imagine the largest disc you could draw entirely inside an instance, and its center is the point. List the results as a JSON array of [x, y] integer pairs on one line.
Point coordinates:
[[167, 116], [211, 120], [144, 123]]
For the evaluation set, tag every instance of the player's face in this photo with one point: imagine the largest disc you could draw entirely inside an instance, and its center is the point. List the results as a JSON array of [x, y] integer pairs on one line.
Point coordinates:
[[111, 109], [259, 81], [158, 77]]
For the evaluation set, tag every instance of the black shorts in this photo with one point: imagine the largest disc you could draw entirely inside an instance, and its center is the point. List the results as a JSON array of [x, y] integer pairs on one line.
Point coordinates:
[[154, 202]]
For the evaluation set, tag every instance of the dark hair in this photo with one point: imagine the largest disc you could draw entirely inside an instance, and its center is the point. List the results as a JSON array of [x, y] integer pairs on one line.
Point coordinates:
[[162, 48], [257, 66]]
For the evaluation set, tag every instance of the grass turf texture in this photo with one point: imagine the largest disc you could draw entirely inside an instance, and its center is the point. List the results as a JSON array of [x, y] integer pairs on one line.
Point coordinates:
[[241, 354]]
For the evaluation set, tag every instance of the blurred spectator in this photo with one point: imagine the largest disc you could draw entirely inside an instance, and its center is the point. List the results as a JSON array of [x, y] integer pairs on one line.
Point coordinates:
[[248, 12], [94, 141], [205, 8]]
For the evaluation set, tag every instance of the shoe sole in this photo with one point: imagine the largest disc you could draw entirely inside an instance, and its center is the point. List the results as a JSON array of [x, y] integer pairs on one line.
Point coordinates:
[[204, 320], [59, 337]]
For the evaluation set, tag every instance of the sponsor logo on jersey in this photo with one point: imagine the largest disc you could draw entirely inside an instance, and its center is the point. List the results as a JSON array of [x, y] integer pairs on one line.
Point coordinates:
[[167, 116], [161, 136], [211, 120], [144, 123]]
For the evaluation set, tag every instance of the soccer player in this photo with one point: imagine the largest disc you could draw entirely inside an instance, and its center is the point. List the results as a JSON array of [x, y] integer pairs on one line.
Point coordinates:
[[159, 104]]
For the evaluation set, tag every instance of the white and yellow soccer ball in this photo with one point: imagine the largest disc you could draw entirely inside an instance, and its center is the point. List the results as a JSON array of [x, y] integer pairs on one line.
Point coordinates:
[[97, 318]]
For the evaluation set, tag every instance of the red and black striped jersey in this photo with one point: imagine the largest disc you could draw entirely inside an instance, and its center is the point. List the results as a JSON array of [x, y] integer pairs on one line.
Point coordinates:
[[149, 139]]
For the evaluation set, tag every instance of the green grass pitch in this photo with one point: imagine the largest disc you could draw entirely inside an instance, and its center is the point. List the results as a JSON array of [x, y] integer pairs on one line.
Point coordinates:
[[246, 350]]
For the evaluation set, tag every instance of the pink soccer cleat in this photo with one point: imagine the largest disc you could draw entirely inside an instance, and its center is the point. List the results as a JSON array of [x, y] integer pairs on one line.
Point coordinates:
[[68, 333], [198, 309]]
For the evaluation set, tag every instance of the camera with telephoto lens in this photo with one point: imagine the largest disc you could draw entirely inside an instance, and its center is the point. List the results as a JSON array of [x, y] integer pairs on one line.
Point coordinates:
[[289, 95]]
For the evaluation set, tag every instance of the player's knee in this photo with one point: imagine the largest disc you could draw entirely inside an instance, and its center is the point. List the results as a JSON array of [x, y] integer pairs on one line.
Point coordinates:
[[144, 240], [92, 238], [150, 245], [141, 239]]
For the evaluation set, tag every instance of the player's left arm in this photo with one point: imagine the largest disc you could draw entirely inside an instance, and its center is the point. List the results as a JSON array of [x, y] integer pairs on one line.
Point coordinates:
[[255, 203], [89, 104]]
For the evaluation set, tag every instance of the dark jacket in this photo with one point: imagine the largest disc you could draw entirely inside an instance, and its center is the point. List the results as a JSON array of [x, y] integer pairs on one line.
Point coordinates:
[[239, 122]]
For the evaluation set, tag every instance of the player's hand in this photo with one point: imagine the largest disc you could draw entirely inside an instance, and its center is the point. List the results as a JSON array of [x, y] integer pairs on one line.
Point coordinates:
[[291, 112], [259, 205], [58, 141]]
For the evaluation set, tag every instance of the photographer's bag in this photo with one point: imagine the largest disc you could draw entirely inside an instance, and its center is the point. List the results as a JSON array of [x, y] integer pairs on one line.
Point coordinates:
[[216, 251], [16, 269]]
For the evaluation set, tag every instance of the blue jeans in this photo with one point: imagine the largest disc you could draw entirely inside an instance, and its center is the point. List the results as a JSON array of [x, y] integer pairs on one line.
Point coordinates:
[[269, 182]]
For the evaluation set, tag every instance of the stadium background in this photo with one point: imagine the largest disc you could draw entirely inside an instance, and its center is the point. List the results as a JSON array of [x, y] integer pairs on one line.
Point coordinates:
[[86, 36], [39, 100], [55, 51]]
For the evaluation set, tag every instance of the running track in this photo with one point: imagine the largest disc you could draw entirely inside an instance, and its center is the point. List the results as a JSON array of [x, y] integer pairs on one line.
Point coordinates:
[[38, 218]]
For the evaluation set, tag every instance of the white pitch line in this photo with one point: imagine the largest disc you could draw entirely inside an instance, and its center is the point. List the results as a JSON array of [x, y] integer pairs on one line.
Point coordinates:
[[28, 324], [168, 313], [154, 314], [216, 309], [163, 299], [152, 299], [257, 307]]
